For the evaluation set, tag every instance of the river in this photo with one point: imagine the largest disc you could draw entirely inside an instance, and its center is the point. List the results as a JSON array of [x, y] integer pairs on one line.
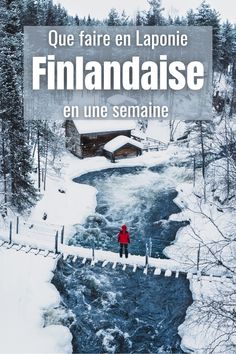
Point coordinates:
[[120, 311]]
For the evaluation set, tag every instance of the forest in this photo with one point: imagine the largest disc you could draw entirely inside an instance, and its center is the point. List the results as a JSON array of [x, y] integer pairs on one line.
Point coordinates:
[[17, 189], [27, 147]]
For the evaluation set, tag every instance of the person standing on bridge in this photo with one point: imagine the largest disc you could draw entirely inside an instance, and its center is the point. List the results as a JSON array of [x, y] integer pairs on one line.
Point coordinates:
[[124, 240]]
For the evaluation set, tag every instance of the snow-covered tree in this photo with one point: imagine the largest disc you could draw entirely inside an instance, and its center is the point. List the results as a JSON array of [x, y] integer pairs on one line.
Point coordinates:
[[154, 15], [124, 19], [206, 16], [113, 18], [15, 159], [139, 19], [227, 45], [190, 17], [31, 13]]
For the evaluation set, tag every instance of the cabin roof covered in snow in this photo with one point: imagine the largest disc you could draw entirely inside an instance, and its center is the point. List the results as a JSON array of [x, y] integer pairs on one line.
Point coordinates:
[[102, 126], [120, 141], [121, 100], [139, 134]]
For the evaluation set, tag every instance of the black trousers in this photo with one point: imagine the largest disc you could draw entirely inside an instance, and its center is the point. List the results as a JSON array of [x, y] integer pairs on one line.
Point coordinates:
[[124, 247]]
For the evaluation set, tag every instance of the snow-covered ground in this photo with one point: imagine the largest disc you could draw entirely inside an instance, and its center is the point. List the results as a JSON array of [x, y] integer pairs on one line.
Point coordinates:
[[27, 294], [26, 291], [203, 330]]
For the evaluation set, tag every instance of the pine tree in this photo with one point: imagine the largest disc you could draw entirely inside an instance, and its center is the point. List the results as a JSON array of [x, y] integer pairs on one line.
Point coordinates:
[[179, 21], [51, 16], [124, 20], [139, 19], [62, 18], [16, 155], [77, 20], [31, 13], [154, 15], [89, 21], [202, 132], [205, 16], [170, 20], [190, 18], [113, 18], [227, 45], [3, 16]]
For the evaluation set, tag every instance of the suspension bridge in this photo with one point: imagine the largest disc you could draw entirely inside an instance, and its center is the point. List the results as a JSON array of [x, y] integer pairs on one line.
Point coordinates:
[[47, 240]]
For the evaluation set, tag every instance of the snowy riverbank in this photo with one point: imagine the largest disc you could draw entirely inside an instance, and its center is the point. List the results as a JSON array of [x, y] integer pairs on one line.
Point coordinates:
[[26, 293], [201, 330], [71, 208], [27, 290]]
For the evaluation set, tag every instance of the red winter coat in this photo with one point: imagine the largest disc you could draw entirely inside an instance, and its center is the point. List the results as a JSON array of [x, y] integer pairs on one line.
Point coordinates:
[[123, 236]]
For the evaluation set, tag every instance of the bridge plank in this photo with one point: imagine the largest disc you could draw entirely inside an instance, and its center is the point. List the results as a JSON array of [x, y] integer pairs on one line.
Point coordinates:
[[104, 264], [157, 271]]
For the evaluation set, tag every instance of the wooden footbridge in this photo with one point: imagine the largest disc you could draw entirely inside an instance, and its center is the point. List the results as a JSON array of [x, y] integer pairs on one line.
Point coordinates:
[[33, 239]]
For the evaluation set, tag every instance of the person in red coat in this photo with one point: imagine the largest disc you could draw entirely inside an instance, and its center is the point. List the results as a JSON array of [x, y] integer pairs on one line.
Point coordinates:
[[124, 240]]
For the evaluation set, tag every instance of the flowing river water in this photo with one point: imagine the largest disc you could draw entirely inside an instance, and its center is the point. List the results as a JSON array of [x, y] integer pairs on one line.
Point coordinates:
[[117, 311]]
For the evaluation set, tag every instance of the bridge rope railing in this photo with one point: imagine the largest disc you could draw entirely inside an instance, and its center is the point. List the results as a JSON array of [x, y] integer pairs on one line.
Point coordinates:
[[57, 248]]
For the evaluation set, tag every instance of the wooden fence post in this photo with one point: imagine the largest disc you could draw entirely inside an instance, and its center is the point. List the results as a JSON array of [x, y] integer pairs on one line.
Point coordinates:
[[150, 247], [17, 225], [194, 171], [62, 234], [10, 232], [56, 243], [93, 251], [146, 257]]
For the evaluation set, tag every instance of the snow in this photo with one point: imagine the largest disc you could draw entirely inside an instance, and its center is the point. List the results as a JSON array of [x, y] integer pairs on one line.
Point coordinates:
[[160, 130], [139, 134], [90, 126], [26, 293], [200, 231], [201, 330], [120, 141]]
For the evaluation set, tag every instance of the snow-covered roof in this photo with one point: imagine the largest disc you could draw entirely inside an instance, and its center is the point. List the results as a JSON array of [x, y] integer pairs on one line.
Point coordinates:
[[99, 126], [139, 134], [120, 141], [121, 100]]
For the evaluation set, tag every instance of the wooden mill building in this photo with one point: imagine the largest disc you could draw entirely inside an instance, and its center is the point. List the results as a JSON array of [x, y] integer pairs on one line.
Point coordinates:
[[86, 138]]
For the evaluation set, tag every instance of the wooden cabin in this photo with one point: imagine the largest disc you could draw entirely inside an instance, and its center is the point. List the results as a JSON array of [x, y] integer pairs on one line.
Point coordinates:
[[122, 147], [86, 138]]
